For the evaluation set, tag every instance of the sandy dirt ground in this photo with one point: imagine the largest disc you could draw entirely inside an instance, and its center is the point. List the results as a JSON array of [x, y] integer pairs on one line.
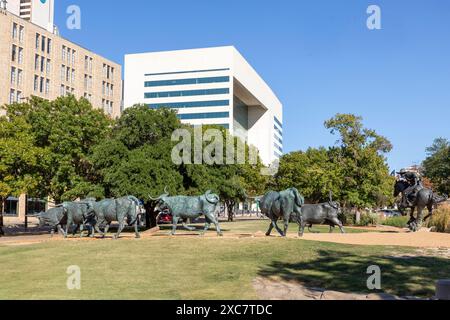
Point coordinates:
[[380, 236], [392, 237], [403, 239]]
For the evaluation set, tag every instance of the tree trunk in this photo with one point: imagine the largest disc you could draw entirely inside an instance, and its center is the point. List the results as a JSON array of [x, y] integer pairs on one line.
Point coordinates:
[[358, 216], [230, 208], [150, 215], [2, 211]]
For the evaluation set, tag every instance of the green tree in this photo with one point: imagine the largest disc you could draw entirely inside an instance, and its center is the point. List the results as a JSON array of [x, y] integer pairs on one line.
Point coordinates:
[[135, 159], [312, 172], [360, 155], [67, 129], [437, 164], [231, 181], [19, 160], [355, 170]]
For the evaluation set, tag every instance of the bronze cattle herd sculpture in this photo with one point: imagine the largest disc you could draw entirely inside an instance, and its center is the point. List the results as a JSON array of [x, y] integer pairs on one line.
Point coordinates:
[[288, 205]]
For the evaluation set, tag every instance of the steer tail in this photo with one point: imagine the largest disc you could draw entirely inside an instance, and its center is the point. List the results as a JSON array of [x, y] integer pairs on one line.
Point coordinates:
[[439, 199]]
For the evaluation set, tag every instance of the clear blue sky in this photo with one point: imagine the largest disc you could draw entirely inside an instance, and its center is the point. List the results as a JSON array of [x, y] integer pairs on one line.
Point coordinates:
[[317, 55]]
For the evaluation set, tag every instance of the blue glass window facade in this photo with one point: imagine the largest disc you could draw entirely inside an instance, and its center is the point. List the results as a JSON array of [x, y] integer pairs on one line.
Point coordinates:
[[277, 147], [205, 115], [189, 71], [179, 82], [186, 93], [278, 122], [278, 139], [192, 104], [278, 130]]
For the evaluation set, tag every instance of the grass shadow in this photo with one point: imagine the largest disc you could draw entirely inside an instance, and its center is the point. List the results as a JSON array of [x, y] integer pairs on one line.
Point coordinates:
[[347, 272]]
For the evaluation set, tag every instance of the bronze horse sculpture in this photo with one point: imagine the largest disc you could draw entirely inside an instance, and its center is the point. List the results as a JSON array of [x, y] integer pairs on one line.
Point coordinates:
[[425, 198]]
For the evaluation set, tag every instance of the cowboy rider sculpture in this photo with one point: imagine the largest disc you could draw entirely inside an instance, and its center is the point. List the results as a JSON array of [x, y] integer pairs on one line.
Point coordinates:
[[415, 185]]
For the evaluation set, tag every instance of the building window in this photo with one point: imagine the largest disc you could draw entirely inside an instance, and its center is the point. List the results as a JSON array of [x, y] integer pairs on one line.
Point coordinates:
[[21, 33], [111, 92], [43, 42], [47, 86], [194, 104], [41, 85], [186, 93], [112, 73], [12, 96], [20, 56], [178, 82], [35, 206], [63, 53], [49, 46], [206, 115], [278, 131], [278, 122], [19, 96], [11, 206], [19, 77], [42, 64], [14, 31], [38, 41], [62, 90], [13, 76], [49, 68], [67, 74], [73, 57], [14, 53], [73, 76], [36, 62], [36, 83], [69, 58]]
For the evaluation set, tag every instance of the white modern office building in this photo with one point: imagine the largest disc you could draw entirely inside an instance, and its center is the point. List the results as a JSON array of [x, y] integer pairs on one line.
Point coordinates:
[[39, 12], [209, 86]]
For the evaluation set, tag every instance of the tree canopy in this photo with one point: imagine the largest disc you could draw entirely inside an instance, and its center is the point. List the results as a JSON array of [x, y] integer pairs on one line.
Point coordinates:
[[57, 138], [437, 165], [355, 170]]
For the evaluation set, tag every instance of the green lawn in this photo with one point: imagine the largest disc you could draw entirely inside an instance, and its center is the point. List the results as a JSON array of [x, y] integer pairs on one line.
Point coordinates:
[[252, 226], [205, 268]]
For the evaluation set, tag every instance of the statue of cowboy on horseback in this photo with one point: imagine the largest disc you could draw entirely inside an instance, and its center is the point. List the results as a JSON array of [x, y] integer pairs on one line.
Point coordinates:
[[415, 195], [415, 185]]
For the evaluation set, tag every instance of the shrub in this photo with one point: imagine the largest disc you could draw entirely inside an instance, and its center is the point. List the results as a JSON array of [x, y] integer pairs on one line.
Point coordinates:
[[399, 222], [347, 218], [368, 219], [441, 219]]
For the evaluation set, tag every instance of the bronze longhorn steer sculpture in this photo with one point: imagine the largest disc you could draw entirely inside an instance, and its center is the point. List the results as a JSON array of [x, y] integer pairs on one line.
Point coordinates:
[[323, 213], [126, 210], [55, 218], [182, 208], [277, 205], [67, 215]]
